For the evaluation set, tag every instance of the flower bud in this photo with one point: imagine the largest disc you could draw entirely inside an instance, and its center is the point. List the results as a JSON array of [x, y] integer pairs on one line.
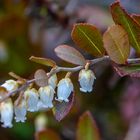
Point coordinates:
[[46, 95], [31, 97], [86, 79], [53, 81], [10, 85], [65, 88], [20, 111], [41, 122], [6, 109]]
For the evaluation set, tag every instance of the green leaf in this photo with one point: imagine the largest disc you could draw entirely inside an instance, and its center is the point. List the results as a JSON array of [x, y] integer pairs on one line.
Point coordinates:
[[70, 54], [88, 37], [43, 61], [122, 18], [87, 129], [132, 70], [116, 43]]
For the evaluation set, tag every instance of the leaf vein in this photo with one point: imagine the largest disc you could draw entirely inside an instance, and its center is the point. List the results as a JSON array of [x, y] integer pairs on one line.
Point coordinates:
[[90, 40], [117, 46]]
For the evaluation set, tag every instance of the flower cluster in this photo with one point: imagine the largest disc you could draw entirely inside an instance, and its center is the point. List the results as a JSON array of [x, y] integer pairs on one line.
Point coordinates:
[[42, 98]]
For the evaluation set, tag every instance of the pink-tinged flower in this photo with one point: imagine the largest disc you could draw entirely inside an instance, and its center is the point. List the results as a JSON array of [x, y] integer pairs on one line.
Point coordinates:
[[6, 110], [65, 88], [31, 97], [86, 79], [47, 95], [20, 111], [10, 85], [53, 81]]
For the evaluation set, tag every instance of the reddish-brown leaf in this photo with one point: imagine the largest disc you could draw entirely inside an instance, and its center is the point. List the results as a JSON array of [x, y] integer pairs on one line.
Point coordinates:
[[41, 78], [70, 54], [47, 135], [88, 37], [43, 61], [136, 18], [132, 70], [60, 110], [87, 129], [122, 18], [116, 43]]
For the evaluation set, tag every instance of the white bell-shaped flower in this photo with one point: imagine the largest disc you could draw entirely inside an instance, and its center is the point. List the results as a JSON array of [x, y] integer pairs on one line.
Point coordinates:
[[20, 111], [86, 79], [65, 88], [46, 96], [31, 97], [53, 81], [6, 109], [10, 85], [41, 106]]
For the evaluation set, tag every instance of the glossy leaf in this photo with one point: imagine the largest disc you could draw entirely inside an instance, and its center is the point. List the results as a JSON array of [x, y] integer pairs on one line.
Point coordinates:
[[88, 37], [122, 18], [132, 70], [70, 54], [47, 135], [41, 78], [87, 129], [43, 61], [116, 43], [61, 109]]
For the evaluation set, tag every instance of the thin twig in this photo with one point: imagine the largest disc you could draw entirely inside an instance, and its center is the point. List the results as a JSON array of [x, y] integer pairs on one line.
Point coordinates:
[[17, 90], [77, 68], [67, 69], [133, 60], [97, 60], [54, 71], [18, 100]]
